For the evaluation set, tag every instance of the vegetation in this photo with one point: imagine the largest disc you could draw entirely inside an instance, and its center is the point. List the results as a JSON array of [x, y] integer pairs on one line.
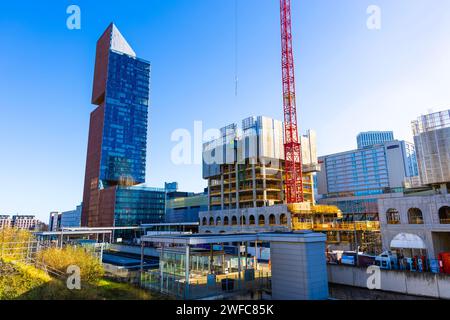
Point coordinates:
[[22, 282], [60, 259], [19, 281], [14, 243]]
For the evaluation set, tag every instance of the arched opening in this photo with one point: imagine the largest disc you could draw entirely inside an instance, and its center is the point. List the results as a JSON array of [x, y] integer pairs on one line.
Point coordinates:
[[211, 221], [393, 216], [283, 219], [252, 220], [234, 221], [444, 215], [272, 220], [226, 221], [262, 220], [204, 222], [243, 221], [415, 216], [218, 221]]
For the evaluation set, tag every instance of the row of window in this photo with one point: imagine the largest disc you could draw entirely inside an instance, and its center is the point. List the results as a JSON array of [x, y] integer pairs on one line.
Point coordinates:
[[243, 220], [415, 216]]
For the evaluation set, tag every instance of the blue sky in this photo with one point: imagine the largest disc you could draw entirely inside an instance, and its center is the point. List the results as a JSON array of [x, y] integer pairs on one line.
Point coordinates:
[[349, 79]]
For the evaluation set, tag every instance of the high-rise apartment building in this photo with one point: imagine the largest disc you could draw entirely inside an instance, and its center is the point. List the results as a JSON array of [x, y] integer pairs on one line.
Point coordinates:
[[370, 138], [117, 146], [5, 221], [25, 222]]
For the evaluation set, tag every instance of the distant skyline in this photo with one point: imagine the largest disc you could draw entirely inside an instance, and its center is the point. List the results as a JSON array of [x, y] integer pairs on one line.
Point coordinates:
[[349, 79]]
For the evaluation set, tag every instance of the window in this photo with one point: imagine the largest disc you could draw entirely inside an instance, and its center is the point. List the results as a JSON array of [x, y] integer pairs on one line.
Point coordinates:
[[444, 215], [283, 219], [393, 216], [234, 221], [218, 221], [204, 222], [415, 216], [272, 220], [226, 221], [211, 221], [262, 220], [252, 220]]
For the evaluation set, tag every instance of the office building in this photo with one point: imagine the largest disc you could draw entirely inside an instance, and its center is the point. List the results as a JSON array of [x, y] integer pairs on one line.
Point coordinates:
[[72, 218], [186, 208], [54, 223], [368, 139], [418, 221], [355, 180], [117, 146]]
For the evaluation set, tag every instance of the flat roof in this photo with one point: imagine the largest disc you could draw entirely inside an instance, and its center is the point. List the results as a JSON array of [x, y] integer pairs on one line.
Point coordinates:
[[198, 239], [99, 229], [170, 224], [68, 233]]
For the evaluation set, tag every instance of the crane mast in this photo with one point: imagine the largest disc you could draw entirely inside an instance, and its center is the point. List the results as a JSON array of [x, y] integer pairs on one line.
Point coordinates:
[[292, 145]]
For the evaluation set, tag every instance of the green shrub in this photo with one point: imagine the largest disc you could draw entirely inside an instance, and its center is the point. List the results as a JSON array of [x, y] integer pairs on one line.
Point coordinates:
[[17, 279], [60, 259]]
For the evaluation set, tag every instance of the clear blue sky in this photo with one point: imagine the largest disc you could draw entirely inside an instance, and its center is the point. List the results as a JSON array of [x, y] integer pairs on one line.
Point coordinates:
[[349, 79]]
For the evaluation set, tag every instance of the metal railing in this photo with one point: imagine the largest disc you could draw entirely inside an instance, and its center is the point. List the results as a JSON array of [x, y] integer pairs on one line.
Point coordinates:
[[338, 226]]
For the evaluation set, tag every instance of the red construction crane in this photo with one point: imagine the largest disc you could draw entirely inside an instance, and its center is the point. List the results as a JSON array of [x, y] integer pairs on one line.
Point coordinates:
[[292, 145]]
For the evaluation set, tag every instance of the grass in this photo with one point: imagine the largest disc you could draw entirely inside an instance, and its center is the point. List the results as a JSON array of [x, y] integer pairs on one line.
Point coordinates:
[[23, 282]]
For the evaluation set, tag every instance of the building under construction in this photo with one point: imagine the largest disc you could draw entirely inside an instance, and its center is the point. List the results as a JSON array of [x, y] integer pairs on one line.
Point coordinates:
[[245, 169]]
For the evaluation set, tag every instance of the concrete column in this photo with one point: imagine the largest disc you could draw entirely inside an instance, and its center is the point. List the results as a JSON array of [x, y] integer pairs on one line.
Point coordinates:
[[239, 262], [246, 255], [142, 260], [209, 194], [254, 184], [161, 267], [236, 169], [255, 258], [263, 168], [222, 191], [187, 266]]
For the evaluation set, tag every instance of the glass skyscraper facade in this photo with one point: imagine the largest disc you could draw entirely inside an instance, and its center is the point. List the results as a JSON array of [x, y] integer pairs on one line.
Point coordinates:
[[124, 144], [139, 205], [117, 146]]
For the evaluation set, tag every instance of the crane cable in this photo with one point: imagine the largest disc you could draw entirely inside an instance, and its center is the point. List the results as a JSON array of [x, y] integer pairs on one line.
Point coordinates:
[[236, 48]]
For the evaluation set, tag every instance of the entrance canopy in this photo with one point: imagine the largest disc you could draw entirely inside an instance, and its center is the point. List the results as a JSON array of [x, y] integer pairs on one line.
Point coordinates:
[[407, 241]]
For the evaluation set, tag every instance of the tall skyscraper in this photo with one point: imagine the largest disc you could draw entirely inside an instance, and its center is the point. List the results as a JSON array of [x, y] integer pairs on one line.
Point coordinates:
[[370, 138], [117, 146]]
